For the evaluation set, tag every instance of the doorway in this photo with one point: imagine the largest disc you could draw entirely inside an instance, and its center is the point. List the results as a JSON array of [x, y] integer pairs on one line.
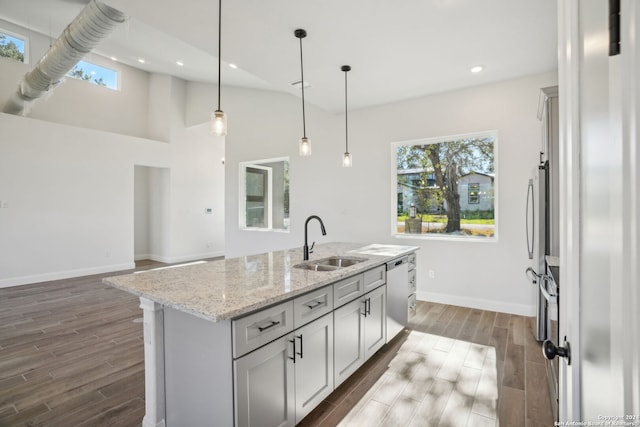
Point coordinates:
[[151, 213]]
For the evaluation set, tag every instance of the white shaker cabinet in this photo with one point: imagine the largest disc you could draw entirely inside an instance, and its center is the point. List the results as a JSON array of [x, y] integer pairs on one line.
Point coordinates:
[[313, 364], [265, 386], [276, 388], [348, 339], [359, 331], [375, 321]]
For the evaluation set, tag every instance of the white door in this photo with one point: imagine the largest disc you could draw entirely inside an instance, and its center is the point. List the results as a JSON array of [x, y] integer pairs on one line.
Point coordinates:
[[599, 211], [314, 364]]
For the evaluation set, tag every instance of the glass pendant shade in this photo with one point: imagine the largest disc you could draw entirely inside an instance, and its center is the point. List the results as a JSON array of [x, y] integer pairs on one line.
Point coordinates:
[[347, 161], [219, 123], [305, 146]]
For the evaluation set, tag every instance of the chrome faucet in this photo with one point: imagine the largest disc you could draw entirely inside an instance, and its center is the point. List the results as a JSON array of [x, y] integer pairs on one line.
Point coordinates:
[[306, 249]]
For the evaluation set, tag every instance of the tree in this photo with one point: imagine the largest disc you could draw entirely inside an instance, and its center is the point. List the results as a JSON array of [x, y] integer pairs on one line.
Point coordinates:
[[9, 49], [447, 161], [78, 73]]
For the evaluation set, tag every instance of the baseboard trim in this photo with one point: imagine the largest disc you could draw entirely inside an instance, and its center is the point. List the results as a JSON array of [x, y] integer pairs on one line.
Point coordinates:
[[481, 304], [184, 258], [59, 275]]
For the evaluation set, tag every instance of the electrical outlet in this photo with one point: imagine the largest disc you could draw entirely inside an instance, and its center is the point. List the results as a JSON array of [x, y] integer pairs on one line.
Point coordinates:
[[432, 274]]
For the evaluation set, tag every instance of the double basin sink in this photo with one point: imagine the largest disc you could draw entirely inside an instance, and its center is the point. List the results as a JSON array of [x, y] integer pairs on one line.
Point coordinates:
[[330, 263]]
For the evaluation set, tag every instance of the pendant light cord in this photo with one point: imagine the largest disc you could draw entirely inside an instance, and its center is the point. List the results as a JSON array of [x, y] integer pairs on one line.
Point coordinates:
[[219, 47], [304, 126], [346, 120]]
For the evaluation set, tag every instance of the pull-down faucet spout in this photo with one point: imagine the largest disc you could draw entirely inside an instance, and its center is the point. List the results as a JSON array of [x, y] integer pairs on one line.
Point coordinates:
[[306, 249]]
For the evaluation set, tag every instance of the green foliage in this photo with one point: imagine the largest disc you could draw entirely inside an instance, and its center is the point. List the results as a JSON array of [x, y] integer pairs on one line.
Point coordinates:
[[78, 73], [9, 49], [478, 214], [439, 166]]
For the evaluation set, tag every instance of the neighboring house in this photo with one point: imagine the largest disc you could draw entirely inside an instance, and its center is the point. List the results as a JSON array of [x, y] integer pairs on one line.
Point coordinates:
[[475, 189], [476, 192]]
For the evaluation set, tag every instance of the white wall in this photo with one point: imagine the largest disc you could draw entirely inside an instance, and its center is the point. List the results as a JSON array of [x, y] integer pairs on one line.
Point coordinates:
[[355, 203], [74, 103], [56, 178], [68, 193]]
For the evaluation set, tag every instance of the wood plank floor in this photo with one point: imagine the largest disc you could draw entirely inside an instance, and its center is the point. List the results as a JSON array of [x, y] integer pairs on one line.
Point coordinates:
[[71, 354]]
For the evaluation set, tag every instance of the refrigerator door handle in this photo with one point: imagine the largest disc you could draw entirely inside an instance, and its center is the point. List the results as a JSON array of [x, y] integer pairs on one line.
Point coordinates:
[[530, 208], [551, 298], [532, 275]]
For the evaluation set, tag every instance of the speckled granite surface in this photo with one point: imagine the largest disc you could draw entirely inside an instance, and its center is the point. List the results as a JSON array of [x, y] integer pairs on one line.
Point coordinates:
[[231, 288]]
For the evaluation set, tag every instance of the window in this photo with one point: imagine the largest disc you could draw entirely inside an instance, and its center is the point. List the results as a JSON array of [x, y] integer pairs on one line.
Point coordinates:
[[13, 46], [445, 187], [474, 190], [95, 74], [264, 195]]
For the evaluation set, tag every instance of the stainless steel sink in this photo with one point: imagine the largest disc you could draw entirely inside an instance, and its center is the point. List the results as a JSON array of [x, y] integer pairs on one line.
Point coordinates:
[[330, 263], [339, 261], [316, 267]]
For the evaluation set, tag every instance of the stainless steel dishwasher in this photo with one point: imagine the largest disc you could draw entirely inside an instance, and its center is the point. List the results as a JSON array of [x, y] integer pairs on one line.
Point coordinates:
[[397, 292]]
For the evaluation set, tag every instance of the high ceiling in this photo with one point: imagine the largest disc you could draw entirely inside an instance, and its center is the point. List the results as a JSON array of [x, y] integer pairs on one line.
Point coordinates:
[[397, 49]]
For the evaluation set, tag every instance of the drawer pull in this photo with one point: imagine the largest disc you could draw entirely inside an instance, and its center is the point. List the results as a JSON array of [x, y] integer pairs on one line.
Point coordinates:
[[271, 325], [314, 305]]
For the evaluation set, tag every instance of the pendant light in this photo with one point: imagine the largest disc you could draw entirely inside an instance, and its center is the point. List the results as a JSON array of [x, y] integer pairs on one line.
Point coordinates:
[[304, 146], [347, 161], [218, 117]]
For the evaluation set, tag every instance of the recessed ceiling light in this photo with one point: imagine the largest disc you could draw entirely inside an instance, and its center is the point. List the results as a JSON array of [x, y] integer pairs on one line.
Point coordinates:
[[477, 69], [234, 66], [141, 61], [180, 63]]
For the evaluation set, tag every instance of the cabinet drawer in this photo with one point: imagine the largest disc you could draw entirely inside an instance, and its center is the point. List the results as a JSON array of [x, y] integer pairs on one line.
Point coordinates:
[[260, 328], [311, 306], [374, 278], [347, 289], [412, 281]]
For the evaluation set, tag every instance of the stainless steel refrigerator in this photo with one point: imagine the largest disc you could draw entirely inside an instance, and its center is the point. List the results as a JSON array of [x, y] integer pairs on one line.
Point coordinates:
[[542, 210]]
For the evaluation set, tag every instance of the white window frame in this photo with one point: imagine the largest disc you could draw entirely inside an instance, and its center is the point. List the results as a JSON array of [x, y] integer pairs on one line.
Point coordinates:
[[435, 236], [22, 37], [117, 72], [242, 201]]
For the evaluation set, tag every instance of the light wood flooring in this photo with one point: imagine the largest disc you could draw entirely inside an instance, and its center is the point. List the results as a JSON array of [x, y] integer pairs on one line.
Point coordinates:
[[71, 354]]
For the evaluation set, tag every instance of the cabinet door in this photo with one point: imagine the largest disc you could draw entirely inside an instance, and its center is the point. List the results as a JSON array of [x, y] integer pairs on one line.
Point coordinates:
[[348, 346], [265, 386], [314, 364], [375, 331]]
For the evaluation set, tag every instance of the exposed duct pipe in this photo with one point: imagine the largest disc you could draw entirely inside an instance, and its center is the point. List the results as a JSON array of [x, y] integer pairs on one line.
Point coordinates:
[[94, 23]]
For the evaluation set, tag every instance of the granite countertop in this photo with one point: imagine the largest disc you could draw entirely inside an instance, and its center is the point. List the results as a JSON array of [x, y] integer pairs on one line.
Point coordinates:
[[226, 289]]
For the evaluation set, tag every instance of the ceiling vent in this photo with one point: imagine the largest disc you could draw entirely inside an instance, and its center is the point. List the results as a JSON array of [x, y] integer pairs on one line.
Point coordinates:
[[94, 23]]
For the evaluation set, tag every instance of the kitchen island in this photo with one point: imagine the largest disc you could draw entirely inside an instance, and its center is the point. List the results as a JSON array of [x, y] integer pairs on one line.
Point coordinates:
[[224, 339]]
